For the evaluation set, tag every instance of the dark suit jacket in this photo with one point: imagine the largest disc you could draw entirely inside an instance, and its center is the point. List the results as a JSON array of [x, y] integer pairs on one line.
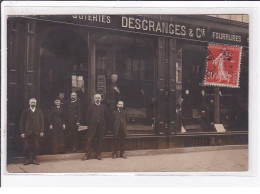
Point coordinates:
[[56, 117], [32, 122], [112, 96], [119, 119], [74, 112], [95, 116]]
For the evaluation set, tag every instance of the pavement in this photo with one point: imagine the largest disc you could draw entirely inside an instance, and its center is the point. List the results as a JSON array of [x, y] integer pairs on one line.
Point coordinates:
[[196, 161]]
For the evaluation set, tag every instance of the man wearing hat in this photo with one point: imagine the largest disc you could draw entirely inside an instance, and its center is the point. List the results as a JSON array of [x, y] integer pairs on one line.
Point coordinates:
[[57, 127]]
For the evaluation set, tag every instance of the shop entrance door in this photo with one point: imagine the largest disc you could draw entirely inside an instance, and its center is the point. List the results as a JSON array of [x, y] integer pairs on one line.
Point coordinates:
[[63, 60]]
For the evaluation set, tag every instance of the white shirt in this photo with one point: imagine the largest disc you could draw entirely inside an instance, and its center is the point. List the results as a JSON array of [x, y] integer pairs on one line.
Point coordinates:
[[117, 89], [97, 104], [32, 109]]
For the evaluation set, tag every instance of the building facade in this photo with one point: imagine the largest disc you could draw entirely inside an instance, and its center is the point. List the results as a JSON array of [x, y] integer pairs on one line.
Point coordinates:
[[161, 62]]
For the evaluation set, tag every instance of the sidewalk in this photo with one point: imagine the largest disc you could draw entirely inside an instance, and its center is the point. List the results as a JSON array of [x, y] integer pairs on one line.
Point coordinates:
[[195, 161]]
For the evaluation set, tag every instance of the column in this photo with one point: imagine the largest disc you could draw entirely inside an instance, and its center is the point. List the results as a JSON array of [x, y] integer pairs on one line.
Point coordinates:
[[216, 106]]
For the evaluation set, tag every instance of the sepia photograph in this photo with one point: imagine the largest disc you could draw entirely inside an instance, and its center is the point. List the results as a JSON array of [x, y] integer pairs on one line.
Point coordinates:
[[126, 93]]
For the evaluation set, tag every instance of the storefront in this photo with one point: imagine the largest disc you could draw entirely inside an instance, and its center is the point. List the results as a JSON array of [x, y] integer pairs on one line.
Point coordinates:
[[161, 62]]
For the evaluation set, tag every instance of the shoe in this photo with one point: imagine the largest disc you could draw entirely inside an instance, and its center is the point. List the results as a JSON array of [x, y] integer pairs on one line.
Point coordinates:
[[26, 162], [123, 156], [35, 162], [113, 155], [86, 157], [99, 157]]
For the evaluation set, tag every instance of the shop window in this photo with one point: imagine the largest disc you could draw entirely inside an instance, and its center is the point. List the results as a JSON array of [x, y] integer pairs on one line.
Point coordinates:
[[195, 97], [131, 60], [134, 69]]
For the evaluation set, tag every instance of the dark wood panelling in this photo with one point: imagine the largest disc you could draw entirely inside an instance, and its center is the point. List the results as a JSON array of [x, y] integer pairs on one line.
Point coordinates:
[[161, 84]]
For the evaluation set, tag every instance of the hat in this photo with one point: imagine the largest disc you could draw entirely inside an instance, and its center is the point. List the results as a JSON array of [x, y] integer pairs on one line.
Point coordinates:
[[57, 98]]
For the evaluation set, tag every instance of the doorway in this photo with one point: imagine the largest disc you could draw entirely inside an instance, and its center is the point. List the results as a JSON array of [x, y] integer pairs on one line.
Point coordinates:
[[63, 53]]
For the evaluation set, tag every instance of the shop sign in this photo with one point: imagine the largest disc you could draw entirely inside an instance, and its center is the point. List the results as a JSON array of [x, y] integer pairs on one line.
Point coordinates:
[[223, 66], [227, 37], [152, 26]]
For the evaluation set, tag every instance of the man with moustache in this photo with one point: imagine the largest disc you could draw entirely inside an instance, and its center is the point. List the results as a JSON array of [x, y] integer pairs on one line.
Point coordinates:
[[119, 120], [31, 128], [73, 122], [96, 127]]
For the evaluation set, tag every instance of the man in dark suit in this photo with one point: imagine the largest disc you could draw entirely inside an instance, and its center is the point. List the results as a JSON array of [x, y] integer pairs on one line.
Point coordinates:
[[31, 128], [73, 122], [112, 97], [57, 127], [96, 127], [119, 121]]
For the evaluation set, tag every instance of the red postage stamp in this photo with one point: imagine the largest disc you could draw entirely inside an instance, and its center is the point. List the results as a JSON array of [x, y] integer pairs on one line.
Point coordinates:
[[223, 66]]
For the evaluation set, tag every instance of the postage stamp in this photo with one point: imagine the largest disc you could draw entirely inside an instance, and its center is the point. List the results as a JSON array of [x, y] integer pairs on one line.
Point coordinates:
[[223, 66]]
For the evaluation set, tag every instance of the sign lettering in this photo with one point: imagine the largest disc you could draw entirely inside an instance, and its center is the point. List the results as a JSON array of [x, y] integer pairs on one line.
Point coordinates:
[[152, 26]]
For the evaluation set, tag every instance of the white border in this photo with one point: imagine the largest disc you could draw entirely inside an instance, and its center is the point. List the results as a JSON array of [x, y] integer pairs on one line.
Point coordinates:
[[109, 179]]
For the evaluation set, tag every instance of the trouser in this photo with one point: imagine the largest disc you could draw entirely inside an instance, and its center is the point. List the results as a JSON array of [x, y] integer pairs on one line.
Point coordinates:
[[72, 137], [178, 122], [31, 146], [109, 116], [99, 141], [119, 141]]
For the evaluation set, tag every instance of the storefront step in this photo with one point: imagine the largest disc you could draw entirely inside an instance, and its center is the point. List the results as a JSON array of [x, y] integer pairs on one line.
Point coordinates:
[[73, 156]]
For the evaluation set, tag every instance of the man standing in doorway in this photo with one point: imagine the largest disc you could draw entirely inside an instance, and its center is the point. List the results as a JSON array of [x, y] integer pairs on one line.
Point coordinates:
[[112, 97], [73, 122], [120, 121], [96, 127], [31, 128]]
